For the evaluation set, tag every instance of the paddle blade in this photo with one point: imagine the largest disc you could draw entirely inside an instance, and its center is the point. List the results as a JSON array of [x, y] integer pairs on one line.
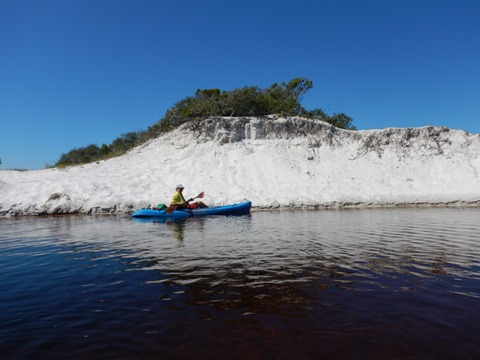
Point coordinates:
[[170, 209], [201, 195]]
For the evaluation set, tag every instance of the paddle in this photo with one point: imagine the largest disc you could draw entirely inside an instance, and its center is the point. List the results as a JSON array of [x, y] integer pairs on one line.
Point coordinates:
[[173, 207]]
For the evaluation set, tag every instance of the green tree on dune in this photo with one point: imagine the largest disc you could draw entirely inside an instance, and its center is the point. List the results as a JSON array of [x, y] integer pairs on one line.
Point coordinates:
[[281, 99]]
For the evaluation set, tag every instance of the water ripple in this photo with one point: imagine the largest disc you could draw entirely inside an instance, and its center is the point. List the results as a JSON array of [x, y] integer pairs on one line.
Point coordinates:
[[398, 283]]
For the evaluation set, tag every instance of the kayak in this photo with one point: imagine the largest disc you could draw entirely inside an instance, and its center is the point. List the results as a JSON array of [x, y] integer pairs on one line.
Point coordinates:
[[235, 209]]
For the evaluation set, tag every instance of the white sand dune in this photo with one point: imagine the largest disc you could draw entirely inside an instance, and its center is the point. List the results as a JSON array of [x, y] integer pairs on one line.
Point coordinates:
[[273, 162]]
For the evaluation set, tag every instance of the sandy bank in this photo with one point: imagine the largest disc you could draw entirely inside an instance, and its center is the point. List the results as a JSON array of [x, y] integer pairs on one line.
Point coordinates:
[[273, 162]]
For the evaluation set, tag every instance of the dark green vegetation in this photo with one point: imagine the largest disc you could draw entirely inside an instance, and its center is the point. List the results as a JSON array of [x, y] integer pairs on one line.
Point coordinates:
[[280, 99]]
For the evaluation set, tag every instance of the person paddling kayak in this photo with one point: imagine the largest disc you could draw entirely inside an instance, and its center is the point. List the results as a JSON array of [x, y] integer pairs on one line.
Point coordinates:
[[179, 202]]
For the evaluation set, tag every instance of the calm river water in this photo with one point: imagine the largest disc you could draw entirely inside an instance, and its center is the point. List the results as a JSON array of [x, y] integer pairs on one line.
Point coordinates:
[[377, 284]]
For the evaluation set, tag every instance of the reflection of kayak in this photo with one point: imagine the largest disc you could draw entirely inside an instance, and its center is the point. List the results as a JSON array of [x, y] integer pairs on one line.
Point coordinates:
[[235, 209]]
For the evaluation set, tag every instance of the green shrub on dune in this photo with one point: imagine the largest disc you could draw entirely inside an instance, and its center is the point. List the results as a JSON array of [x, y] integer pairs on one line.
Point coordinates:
[[281, 99]]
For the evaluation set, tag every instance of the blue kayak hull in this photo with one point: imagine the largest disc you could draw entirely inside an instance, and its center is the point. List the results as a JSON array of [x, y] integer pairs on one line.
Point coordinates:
[[235, 209]]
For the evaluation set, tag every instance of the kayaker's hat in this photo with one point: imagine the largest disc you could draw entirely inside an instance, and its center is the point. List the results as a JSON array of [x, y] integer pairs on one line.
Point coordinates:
[[180, 186]]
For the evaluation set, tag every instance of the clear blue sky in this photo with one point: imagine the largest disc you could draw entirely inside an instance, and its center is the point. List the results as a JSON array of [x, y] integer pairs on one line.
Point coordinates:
[[74, 73]]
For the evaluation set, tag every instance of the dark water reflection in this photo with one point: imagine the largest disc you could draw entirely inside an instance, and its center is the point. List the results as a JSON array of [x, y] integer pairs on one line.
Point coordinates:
[[400, 283]]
